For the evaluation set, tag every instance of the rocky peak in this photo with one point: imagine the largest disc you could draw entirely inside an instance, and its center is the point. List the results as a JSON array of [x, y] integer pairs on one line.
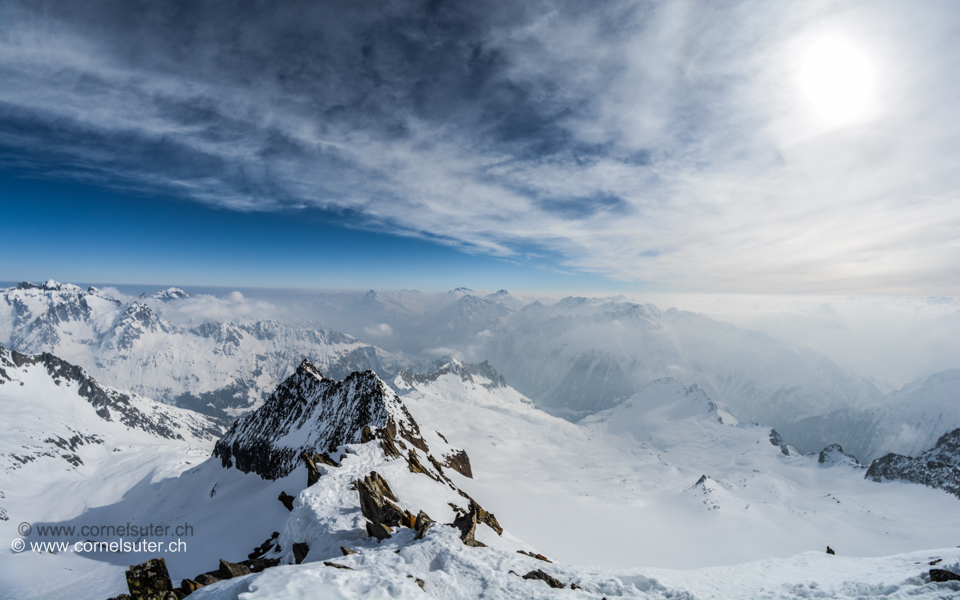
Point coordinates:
[[135, 321], [482, 373], [308, 413], [834, 455]]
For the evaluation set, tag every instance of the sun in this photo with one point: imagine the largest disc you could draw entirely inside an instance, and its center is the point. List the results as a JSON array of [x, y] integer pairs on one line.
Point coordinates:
[[837, 80]]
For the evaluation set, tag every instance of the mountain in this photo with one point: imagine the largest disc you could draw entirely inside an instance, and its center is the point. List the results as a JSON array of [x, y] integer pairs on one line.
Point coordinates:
[[580, 356], [70, 443], [61, 388], [905, 422], [221, 369], [938, 467], [310, 412], [634, 502]]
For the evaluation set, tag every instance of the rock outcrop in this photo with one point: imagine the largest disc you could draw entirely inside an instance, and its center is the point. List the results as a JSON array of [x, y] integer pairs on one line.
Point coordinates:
[[149, 580], [938, 467], [310, 413]]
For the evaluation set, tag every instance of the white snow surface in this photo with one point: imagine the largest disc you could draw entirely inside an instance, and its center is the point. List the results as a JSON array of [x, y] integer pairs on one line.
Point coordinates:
[[665, 496]]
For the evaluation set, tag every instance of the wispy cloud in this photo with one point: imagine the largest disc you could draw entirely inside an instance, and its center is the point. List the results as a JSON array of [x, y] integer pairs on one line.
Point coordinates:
[[656, 142]]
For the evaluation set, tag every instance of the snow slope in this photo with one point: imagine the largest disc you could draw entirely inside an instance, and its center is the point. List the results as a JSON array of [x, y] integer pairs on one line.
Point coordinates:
[[665, 496]]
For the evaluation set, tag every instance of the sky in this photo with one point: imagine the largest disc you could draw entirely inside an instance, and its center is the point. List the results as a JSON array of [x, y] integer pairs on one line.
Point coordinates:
[[742, 147]]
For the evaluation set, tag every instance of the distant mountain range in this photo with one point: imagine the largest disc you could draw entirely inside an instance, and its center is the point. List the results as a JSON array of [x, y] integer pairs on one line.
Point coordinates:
[[573, 358], [220, 369]]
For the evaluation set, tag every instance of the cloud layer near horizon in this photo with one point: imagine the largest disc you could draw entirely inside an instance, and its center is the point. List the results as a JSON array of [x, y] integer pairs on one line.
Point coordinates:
[[657, 142]]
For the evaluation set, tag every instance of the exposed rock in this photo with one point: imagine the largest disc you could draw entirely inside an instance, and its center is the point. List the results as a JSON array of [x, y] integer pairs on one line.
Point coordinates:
[[287, 500], [536, 556], [189, 586], [379, 531], [776, 440], [267, 545], [318, 413], [229, 570], [942, 575], [938, 467], [121, 597], [830, 550], [150, 579], [383, 514], [417, 467], [347, 551], [487, 518], [207, 578], [313, 473], [422, 524], [336, 566], [467, 524], [366, 435], [834, 455], [574, 586], [459, 462], [541, 576], [300, 551], [259, 564]]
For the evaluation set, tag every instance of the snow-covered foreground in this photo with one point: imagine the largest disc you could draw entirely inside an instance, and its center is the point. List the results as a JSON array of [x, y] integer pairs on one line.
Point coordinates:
[[619, 503]]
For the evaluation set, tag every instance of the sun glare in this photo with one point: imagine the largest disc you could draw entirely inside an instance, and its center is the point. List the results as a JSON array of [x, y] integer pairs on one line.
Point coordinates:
[[838, 81]]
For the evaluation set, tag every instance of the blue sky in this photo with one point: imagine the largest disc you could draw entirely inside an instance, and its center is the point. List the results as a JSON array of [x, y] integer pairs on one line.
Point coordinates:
[[89, 234], [804, 147]]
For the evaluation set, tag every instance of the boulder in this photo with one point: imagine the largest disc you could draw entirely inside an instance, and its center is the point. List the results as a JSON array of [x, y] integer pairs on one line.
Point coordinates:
[[347, 551], [379, 531], [300, 551], [467, 524], [459, 462], [189, 586], [229, 570], [536, 556], [148, 580], [487, 518], [313, 473], [383, 514], [207, 578], [422, 524], [942, 575], [541, 576], [286, 499], [259, 564]]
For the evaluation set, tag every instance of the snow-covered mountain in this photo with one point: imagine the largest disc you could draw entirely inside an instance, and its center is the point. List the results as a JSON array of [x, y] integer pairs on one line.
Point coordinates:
[[222, 369], [71, 444], [908, 421], [668, 480], [581, 356]]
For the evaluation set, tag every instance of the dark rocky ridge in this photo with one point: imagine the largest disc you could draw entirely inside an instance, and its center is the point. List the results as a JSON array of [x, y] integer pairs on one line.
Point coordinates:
[[110, 404], [309, 412], [938, 467]]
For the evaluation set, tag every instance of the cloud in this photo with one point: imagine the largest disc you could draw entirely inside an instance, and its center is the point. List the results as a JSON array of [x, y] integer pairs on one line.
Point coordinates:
[[650, 142], [381, 330], [203, 308]]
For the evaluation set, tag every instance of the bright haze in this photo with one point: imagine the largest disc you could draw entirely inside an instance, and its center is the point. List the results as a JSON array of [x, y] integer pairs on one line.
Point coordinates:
[[778, 165]]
